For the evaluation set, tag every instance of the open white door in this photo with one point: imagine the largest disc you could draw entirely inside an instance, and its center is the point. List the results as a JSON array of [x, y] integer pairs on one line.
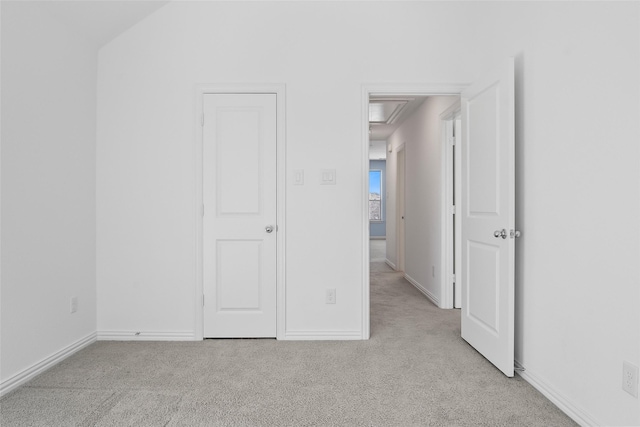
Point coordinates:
[[239, 223], [488, 216]]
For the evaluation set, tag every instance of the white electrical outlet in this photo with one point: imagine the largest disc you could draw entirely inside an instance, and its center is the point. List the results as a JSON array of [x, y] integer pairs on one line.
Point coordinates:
[[74, 304], [630, 378], [331, 296]]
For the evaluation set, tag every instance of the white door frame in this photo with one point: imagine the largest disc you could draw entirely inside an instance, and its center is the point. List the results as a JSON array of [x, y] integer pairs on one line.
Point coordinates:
[[280, 91], [401, 206], [368, 90], [448, 225]]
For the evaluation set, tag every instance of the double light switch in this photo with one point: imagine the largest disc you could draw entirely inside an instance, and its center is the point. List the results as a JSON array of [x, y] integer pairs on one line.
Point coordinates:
[[327, 177]]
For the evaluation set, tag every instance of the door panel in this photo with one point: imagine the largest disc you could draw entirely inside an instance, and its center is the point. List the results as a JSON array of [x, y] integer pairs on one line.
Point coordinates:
[[484, 153], [238, 280], [239, 193], [482, 300], [488, 199], [238, 161]]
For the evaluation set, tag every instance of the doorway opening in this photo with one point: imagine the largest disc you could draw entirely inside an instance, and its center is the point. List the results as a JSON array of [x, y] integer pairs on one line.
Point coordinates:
[[395, 120], [487, 191]]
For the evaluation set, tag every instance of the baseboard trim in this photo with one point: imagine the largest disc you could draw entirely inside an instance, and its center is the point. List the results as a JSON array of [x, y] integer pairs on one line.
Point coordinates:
[[323, 335], [422, 289], [146, 336], [390, 264], [577, 414], [377, 237], [29, 373]]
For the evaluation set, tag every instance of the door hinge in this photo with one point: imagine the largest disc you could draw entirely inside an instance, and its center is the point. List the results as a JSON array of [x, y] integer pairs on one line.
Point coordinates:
[[452, 141], [453, 279], [453, 210], [203, 300]]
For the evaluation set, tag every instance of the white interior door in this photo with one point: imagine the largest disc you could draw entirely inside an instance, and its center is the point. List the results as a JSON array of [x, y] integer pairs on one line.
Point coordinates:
[[488, 216], [239, 223]]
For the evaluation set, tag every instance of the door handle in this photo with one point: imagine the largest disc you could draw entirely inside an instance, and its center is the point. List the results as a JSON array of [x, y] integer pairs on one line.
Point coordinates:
[[500, 233], [268, 228]]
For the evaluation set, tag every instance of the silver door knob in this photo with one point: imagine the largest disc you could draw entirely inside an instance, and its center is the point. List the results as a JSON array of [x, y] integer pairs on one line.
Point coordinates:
[[268, 228], [500, 233], [514, 234]]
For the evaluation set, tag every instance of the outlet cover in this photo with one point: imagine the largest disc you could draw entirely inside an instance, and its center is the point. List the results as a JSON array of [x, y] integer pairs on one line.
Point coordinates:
[[630, 378]]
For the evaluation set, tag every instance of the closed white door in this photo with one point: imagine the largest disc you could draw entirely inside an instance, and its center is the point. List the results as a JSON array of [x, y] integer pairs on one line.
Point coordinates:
[[488, 216], [239, 224]]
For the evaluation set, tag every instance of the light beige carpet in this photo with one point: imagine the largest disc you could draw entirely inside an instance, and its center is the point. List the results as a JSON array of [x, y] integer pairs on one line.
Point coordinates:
[[414, 371]]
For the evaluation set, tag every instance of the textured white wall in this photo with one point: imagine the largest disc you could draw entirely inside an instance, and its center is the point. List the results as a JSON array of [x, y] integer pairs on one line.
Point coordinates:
[[48, 187], [577, 88], [377, 150], [421, 135]]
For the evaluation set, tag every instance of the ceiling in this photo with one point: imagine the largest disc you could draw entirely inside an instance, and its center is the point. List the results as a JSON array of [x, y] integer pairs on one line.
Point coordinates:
[[101, 21], [387, 113]]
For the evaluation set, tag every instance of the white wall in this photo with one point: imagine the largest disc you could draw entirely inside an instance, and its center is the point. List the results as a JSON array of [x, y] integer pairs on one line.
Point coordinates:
[[377, 150], [421, 135], [48, 188], [577, 88]]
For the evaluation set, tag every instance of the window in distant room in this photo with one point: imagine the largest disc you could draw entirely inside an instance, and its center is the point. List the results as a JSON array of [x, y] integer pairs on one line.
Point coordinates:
[[375, 195]]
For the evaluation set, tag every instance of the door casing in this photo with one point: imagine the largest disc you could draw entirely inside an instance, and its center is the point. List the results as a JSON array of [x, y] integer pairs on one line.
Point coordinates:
[[401, 174], [280, 91], [451, 225]]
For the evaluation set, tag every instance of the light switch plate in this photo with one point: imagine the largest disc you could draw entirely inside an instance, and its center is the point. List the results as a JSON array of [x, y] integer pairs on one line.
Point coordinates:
[[298, 177], [328, 177]]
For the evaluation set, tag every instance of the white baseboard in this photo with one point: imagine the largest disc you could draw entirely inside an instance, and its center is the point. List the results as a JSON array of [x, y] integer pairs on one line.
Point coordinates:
[[422, 289], [322, 335], [27, 374], [577, 414], [390, 264], [377, 237], [146, 336]]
